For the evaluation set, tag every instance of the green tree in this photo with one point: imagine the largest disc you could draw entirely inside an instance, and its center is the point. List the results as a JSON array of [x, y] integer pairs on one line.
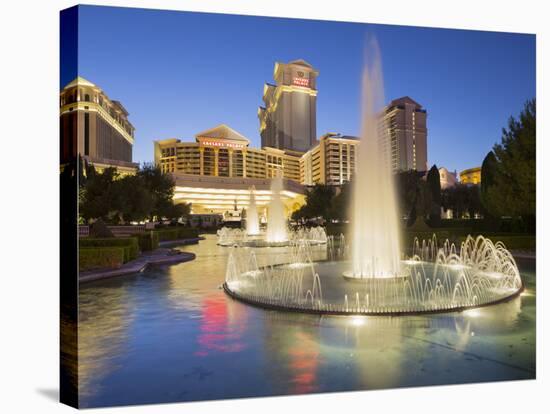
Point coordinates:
[[407, 188], [318, 202], [161, 189], [99, 197], [434, 186], [463, 200], [488, 172], [423, 204], [512, 189], [119, 199], [134, 201], [177, 211], [340, 203]]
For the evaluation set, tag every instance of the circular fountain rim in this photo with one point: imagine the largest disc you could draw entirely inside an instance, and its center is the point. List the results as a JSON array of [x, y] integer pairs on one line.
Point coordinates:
[[348, 277], [265, 243], [296, 309]]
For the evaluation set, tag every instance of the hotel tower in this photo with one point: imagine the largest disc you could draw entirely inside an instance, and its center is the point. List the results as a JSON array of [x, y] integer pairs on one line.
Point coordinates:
[[288, 120], [95, 127], [405, 135]]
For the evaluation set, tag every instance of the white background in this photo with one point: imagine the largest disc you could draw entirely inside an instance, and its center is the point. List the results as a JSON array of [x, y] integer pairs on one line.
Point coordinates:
[[29, 332]]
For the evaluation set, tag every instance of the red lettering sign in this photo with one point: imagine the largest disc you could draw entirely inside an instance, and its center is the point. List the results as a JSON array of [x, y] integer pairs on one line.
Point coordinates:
[[301, 81]]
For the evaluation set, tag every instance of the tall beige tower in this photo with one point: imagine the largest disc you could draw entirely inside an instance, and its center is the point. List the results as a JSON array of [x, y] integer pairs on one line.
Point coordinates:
[[405, 133], [288, 121], [95, 127]]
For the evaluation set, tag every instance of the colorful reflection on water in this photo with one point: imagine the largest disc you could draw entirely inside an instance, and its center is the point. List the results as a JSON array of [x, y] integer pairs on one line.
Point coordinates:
[[170, 334]]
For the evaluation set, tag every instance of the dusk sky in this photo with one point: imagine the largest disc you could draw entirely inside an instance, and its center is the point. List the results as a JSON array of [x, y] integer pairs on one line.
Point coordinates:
[[180, 73]]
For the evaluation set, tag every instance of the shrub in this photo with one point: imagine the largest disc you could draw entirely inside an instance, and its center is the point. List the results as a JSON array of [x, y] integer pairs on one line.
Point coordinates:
[[335, 229], [148, 241], [129, 244], [520, 241], [167, 234], [100, 257], [187, 233], [177, 233], [511, 241], [99, 229]]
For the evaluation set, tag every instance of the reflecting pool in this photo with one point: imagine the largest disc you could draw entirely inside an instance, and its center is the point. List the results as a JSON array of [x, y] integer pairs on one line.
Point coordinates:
[[171, 334]]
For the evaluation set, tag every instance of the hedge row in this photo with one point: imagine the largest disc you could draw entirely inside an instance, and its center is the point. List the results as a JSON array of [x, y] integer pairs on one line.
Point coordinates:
[[511, 241], [335, 229], [177, 233], [100, 257], [456, 235], [129, 244], [148, 241], [521, 242]]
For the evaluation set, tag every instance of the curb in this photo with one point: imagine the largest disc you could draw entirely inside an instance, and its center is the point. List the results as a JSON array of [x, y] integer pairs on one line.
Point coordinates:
[[139, 266]]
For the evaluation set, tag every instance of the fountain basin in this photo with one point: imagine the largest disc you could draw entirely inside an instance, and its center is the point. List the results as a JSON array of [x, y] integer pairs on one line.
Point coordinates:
[[422, 288], [349, 276], [265, 243], [240, 238]]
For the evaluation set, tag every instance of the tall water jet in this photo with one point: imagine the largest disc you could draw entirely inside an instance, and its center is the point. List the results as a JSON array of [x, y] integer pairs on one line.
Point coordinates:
[[277, 231], [374, 226], [252, 221]]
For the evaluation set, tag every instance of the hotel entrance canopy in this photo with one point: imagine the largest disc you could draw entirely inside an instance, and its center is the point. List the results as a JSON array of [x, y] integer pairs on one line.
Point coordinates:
[[209, 194]]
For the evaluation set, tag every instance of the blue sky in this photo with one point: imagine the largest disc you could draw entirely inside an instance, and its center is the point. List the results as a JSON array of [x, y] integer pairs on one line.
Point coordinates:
[[180, 73]]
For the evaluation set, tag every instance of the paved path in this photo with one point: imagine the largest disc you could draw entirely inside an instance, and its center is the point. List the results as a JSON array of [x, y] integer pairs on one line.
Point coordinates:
[[159, 256], [524, 254], [180, 242]]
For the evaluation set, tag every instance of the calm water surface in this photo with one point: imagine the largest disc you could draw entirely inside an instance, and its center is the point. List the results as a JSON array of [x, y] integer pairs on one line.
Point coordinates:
[[170, 334]]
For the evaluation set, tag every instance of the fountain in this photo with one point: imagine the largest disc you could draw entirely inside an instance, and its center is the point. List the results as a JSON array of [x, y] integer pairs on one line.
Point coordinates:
[[479, 273], [278, 234], [277, 231], [374, 229], [252, 221], [230, 237], [434, 278]]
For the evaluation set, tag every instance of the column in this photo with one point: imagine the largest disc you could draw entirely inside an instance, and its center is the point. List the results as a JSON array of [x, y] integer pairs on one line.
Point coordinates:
[[230, 151], [201, 160], [349, 161], [340, 164], [216, 150]]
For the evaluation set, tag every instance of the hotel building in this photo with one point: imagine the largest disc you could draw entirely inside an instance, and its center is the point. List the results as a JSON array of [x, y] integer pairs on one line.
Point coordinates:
[[288, 119], [405, 135], [331, 161], [215, 172], [223, 152], [95, 127], [471, 176], [447, 179]]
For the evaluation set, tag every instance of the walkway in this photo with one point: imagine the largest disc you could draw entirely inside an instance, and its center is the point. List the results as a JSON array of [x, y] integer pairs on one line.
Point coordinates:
[[524, 254], [156, 257]]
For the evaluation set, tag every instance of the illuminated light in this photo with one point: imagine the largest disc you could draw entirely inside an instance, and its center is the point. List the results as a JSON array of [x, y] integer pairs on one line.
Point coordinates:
[[493, 275], [472, 313], [298, 265], [206, 196], [457, 266], [358, 320], [411, 262], [223, 144], [222, 190], [300, 81]]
